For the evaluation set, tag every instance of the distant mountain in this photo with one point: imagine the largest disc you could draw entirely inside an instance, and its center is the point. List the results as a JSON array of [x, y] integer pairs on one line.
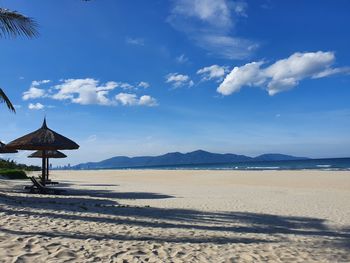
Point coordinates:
[[177, 158], [277, 157]]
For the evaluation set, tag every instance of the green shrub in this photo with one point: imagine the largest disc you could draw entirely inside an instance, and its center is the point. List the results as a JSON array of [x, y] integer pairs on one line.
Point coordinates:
[[13, 174], [11, 164]]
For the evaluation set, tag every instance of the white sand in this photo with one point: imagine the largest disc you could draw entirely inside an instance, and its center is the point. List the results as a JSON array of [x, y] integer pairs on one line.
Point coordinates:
[[179, 216]]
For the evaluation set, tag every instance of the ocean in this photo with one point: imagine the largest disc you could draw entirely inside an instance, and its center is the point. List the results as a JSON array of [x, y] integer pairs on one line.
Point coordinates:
[[308, 164]]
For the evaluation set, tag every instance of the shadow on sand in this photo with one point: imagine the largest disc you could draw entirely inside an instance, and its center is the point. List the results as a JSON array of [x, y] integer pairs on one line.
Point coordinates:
[[93, 208]]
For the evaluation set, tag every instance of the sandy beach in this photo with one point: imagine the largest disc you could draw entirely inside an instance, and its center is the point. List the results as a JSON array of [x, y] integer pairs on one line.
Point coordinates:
[[179, 216]]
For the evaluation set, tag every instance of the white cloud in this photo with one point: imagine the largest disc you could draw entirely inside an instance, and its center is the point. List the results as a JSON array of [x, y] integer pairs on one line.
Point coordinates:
[[36, 106], [240, 8], [209, 24], [282, 75], [181, 59], [147, 100], [227, 46], [213, 72], [143, 84], [129, 99], [39, 82], [178, 80], [90, 91], [135, 41], [125, 86], [33, 93], [214, 12], [332, 71], [84, 91]]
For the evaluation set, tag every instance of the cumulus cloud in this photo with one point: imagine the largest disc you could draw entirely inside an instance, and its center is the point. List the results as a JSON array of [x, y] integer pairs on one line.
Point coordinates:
[[90, 91], [209, 24], [36, 106], [178, 80], [129, 99], [282, 75], [84, 91], [213, 72], [143, 84], [34, 92], [147, 100]]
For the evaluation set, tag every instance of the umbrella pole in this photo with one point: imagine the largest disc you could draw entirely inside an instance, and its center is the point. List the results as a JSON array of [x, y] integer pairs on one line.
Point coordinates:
[[47, 168], [43, 168]]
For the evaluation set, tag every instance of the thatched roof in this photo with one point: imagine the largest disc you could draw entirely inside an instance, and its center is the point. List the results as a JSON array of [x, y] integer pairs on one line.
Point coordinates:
[[43, 139], [48, 154], [3, 149]]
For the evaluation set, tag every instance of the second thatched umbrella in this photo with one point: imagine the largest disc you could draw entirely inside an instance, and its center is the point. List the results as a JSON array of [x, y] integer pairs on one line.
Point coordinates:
[[43, 139], [49, 154], [4, 149]]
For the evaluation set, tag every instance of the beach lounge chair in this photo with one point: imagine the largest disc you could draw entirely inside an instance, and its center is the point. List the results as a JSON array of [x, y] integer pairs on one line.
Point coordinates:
[[37, 187], [48, 181]]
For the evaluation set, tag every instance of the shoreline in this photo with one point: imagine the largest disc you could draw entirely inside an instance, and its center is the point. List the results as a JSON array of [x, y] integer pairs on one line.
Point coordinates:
[[203, 169]]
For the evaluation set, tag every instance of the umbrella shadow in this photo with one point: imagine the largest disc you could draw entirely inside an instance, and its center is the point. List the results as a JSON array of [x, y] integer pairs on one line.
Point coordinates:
[[116, 195]]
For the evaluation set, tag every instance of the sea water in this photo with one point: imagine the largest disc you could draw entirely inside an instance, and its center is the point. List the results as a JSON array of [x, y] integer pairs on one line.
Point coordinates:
[[308, 164]]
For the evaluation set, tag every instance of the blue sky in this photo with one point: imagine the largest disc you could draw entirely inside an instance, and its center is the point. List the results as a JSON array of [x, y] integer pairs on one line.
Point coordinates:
[[149, 77]]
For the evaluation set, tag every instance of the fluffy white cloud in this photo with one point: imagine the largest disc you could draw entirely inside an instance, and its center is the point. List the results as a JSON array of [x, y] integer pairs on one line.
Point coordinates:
[[178, 80], [143, 84], [36, 106], [282, 75], [147, 100], [209, 24], [33, 93], [213, 72], [90, 91], [84, 91], [129, 99]]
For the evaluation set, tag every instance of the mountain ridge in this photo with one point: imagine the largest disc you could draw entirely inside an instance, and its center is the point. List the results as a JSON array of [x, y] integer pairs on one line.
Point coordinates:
[[177, 158]]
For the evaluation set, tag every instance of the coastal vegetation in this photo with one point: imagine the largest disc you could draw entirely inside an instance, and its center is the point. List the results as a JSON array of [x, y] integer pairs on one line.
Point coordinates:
[[12, 170]]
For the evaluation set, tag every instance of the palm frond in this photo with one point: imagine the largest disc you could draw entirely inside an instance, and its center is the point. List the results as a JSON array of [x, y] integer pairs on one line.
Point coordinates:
[[14, 24], [5, 99]]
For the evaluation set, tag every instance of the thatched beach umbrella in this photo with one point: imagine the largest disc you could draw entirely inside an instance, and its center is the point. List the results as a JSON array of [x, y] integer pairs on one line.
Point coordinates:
[[49, 154], [43, 139], [4, 149]]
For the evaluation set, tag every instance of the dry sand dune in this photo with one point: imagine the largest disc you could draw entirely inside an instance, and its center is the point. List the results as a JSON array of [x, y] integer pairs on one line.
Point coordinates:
[[179, 216]]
